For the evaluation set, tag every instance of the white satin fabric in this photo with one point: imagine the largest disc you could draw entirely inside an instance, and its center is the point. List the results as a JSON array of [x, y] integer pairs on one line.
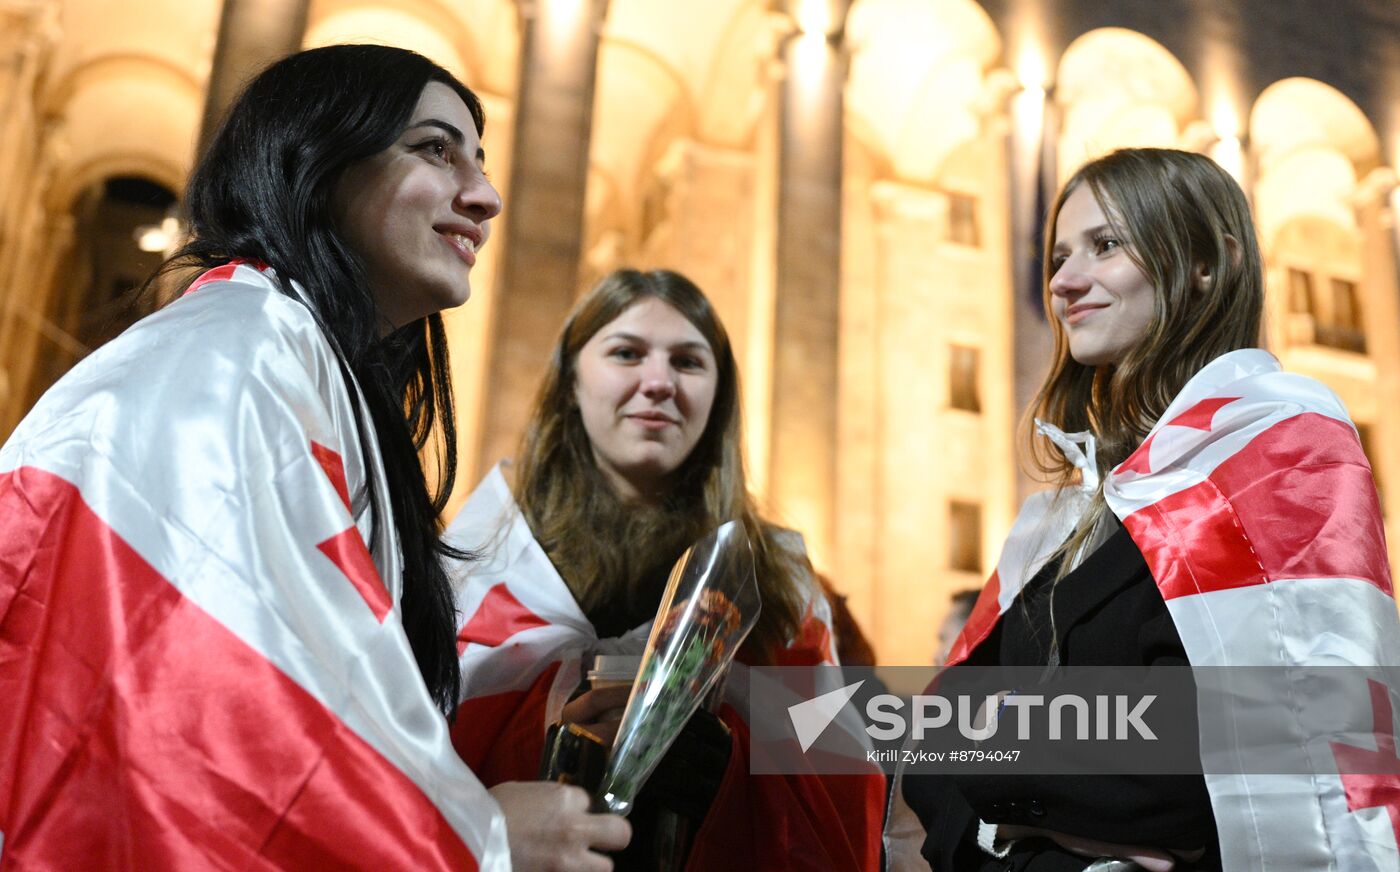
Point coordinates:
[[191, 436], [1266, 822], [491, 524]]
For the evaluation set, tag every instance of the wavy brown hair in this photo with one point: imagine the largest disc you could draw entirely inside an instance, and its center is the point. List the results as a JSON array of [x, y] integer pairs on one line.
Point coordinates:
[[1178, 214], [615, 555]]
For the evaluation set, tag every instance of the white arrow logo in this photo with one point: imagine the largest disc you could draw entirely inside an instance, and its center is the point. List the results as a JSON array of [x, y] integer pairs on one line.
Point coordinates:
[[811, 718]]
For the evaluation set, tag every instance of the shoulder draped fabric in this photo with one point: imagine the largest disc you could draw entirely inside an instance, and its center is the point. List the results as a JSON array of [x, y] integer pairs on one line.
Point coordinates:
[[522, 643], [201, 664], [1255, 509]]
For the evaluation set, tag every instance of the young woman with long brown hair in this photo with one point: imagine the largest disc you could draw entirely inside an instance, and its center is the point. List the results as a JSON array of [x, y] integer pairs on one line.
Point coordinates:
[[633, 452]]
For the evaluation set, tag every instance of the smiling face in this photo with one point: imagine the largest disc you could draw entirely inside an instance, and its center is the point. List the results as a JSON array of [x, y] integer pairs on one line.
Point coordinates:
[[645, 384], [419, 211], [1100, 296]]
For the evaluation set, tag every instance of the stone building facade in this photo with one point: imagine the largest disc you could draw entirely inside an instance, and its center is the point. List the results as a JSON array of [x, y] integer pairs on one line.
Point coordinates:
[[856, 185]]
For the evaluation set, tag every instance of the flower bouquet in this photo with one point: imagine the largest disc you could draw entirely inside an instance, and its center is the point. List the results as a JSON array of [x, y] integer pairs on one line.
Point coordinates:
[[710, 605]]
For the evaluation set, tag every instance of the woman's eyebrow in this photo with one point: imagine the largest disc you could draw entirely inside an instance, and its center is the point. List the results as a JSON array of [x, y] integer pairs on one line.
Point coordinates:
[[1087, 233], [692, 345], [454, 133], [452, 130], [689, 344]]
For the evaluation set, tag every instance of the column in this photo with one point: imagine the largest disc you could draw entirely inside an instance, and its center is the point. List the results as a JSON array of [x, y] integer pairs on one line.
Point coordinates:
[[21, 271], [27, 37], [802, 453], [252, 35], [543, 221], [1380, 284], [29, 32], [53, 244], [468, 327], [1031, 140]]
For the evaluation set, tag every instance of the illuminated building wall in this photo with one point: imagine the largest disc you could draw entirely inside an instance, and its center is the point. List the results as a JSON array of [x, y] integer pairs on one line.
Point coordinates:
[[856, 185]]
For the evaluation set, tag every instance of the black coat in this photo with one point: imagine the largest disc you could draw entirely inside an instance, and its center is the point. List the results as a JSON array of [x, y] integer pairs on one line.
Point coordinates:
[[1107, 612]]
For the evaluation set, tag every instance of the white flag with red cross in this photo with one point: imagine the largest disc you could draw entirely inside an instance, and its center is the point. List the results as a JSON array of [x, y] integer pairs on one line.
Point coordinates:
[[523, 641], [1255, 509], [201, 662]]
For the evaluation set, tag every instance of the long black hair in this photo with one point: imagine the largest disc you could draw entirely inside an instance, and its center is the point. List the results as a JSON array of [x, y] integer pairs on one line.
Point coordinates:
[[263, 192]]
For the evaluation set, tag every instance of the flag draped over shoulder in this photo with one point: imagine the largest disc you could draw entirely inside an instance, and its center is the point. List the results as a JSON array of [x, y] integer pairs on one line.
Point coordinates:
[[202, 665], [1255, 509], [523, 642]]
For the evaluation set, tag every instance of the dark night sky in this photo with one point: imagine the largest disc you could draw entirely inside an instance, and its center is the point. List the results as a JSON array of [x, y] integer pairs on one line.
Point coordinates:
[[1352, 45]]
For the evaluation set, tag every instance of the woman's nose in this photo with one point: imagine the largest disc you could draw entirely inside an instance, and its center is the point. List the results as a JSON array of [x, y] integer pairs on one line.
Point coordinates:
[[478, 198], [1068, 280], [658, 380]]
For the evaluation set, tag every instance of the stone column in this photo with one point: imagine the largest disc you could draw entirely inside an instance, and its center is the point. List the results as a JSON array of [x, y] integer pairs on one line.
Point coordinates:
[[54, 244], [252, 35], [30, 30], [1380, 284], [469, 327], [1031, 138], [22, 267], [802, 453], [543, 221]]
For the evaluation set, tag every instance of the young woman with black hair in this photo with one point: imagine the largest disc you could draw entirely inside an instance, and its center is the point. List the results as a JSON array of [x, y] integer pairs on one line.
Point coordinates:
[[226, 636]]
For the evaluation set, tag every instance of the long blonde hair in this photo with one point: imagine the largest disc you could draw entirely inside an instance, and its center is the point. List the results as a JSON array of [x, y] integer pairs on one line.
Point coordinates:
[[609, 552], [1177, 213]]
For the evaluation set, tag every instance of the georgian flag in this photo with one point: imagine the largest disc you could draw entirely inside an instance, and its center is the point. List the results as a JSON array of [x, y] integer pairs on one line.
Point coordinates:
[[201, 664], [1255, 509], [523, 642]]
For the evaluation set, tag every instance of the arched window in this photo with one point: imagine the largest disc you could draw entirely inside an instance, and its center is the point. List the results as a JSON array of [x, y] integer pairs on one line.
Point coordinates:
[[122, 228]]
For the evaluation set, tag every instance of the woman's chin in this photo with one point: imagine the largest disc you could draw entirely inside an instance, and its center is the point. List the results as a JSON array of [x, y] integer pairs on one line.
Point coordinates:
[[457, 296], [648, 475]]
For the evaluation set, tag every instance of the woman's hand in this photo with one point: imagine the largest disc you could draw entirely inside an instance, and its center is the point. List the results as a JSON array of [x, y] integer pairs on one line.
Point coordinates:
[[550, 829], [1151, 859], [598, 711]]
